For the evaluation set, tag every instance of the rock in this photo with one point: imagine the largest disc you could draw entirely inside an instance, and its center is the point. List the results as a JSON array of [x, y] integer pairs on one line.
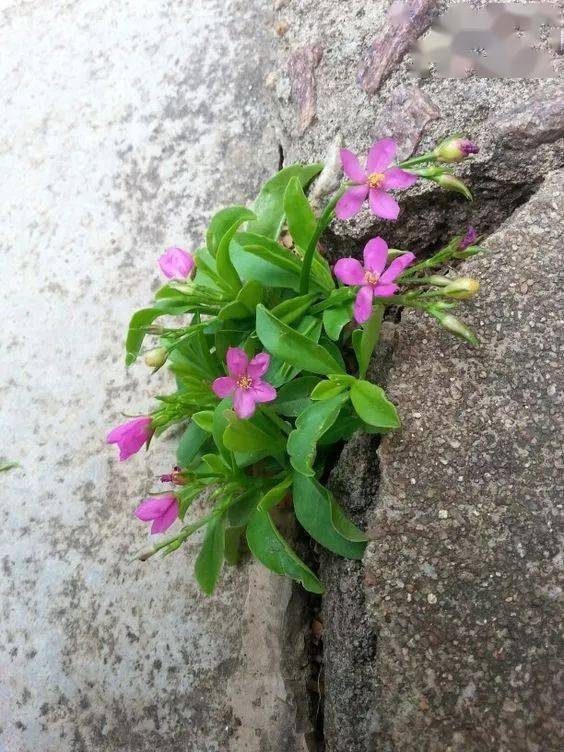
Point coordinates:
[[123, 132], [518, 123], [462, 577]]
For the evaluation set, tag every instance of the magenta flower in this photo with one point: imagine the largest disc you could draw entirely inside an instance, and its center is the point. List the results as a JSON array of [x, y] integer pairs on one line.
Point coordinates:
[[374, 182], [244, 381], [468, 240], [176, 264], [374, 281], [131, 436], [161, 510]]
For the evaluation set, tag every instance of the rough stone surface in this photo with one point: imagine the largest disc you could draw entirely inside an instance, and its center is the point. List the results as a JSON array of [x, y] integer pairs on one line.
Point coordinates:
[[418, 113], [519, 125], [464, 576], [125, 125]]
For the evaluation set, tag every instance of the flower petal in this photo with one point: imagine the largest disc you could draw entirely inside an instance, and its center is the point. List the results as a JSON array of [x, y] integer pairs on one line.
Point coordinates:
[[237, 361], [243, 403], [153, 507], [258, 365], [380, 155], [382, 291], [397, 266], [176, 263], [223, 386], [262, 391], [351, 166], [383, 205], [131, 436], [363, 304], [349, 204], [396, 178], [163, 523], [375, 255], [349, 271]]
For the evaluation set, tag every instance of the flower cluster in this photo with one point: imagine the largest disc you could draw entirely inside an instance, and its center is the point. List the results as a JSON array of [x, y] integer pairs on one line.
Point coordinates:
[[263, 357]]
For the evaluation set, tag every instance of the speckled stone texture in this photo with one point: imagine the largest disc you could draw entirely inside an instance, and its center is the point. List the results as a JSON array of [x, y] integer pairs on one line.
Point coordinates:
[[463, 577], [507, 117], [125, 125], [519, 125]]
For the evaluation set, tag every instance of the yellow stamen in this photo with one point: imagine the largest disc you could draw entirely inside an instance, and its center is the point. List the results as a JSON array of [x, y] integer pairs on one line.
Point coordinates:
[[244, 382], [371, 278], [375, 179]]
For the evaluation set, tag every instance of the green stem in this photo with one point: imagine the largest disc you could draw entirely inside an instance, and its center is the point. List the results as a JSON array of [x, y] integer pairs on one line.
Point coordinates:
[[322, 223], [417, 160], [278, 422]]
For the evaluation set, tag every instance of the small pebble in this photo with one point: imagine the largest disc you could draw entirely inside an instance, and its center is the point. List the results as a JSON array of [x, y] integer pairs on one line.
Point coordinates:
[[432, 598]]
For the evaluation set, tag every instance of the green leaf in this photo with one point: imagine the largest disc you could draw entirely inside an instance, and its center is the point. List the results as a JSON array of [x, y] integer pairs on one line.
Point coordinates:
[[238, 513], [320, 515], [251, 266], [293, 309], [204, 420], [275, 495], [223, 222], [334, 319], [310, 426], [225, 267], [269, 205], [232, 550], [287, 344], [294, 396], [372, 405], [281, 372], [301, 220], [245, 436], [5, 466], [327, 389], [365, 339], [142, 319], [210, 559], [270, 548], [190, 444], [206, 272]]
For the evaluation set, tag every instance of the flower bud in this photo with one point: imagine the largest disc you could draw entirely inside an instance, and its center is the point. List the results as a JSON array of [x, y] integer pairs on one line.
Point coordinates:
[[455, 149], [438, 281], [157, 357], [454, 325], [468, 240], [450, 183], [462, 288]]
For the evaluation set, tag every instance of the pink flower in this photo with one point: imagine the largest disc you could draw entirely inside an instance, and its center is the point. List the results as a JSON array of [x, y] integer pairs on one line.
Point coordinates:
[[176, 264], [244, 381], [162, 510], [131, 436], [373, 182], [374, 281], [468, 240]]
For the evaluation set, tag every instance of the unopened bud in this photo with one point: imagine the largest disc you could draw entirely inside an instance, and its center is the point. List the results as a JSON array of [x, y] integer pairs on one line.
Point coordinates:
[[157, 357], [438, 281], [450, 183], [462, 288], [454, 326], [455, 149]]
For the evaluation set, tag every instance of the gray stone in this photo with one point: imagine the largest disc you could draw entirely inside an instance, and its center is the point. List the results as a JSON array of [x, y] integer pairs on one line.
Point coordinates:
[[125, 125], [518, 123], [462, 580]]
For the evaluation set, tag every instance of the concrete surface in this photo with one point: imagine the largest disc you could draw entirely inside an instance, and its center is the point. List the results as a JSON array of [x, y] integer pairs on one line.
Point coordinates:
[[124, 126]]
